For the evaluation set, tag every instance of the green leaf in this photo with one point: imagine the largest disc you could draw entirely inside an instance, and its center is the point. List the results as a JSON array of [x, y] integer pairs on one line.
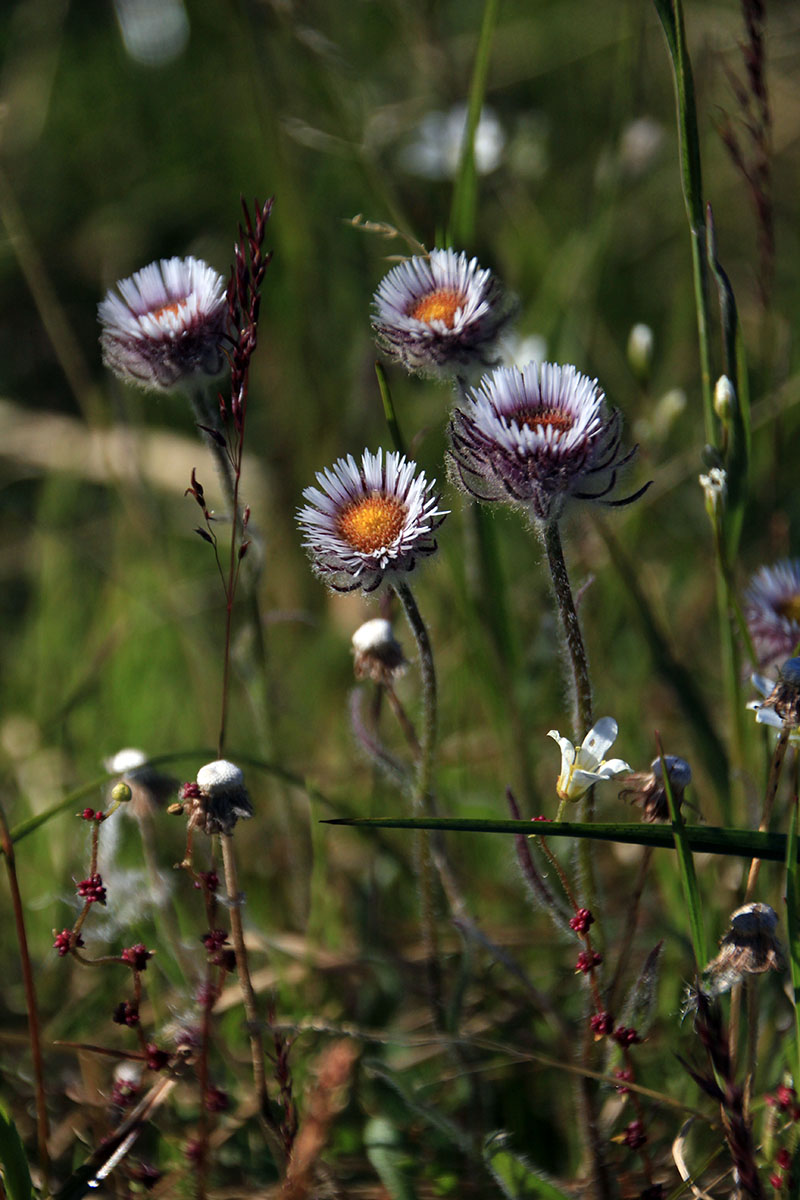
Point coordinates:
[[514, 1175], [16, 1176]]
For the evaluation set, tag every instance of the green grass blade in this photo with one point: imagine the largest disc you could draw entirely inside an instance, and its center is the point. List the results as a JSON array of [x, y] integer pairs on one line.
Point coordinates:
[[16, 1176], [701, 839], [464, 204], [671, 16], [793, 927], [688, 874]]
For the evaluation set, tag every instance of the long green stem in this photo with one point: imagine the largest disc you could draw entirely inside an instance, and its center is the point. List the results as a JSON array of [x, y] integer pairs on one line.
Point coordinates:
[[670, 13], [423, 800], [249, 1000], [581, 682]]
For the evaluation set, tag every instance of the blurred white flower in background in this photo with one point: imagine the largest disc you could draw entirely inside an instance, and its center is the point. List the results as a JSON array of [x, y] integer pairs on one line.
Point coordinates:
[[154, 32], [434, 151]]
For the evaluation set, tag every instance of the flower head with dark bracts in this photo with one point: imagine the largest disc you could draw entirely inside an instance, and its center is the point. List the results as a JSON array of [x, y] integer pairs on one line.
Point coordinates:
[[772, 611], [166, 325], [536, 436], [441, 315], [646, 788], [369, 522]]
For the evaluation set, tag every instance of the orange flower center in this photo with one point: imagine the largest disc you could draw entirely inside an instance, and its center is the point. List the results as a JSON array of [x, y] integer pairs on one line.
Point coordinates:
[[441, 305], [790, 608], [173, 309], [372, 523], [534, 417]]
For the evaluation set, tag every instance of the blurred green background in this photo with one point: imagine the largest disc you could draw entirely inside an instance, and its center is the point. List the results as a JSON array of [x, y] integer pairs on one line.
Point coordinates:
[[122, 142]]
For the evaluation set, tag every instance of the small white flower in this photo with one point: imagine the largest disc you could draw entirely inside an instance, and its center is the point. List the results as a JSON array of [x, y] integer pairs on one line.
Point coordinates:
[[764, 716], [585, 766], [715, 489], [780, 707], [377, 653]]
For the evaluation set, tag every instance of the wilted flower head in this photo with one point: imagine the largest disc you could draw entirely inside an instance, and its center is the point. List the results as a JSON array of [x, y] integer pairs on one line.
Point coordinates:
[[749, 947], [534, 437], [369, 522], [167, 325], [218, 799], [440, 315], [772, 611], [646, 788], [377, 654], [581, 768], [781, 707]]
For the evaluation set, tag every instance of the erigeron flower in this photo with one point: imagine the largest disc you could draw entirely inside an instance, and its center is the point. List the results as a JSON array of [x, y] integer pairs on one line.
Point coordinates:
[[581, 768], [781, 705], [772, 611], [536, 436], [369, 522], [377, 654], [166, 325], [441, 315]]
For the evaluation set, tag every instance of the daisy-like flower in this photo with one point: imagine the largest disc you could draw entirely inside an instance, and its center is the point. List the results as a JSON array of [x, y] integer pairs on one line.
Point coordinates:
[[772, 610], [369, 522], [586, 765], [165, 325], [534, 437], [441, 315], [781, 704]]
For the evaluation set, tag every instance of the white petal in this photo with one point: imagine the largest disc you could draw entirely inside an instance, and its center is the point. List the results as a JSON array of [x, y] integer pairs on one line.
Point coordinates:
[[598, 740], [762, 684], [567, 748], [768, 716], [613, 767]]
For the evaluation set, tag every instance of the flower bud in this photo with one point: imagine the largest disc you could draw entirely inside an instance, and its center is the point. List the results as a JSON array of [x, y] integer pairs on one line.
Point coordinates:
[[640, 351]]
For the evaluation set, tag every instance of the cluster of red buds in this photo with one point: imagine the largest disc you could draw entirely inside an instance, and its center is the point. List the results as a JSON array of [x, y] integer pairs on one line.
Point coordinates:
[[92, 889], [587, 960]]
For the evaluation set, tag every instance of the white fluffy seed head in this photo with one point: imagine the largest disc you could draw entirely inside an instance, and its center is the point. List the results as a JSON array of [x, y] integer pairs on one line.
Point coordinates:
[[220, 775], [372, 636], [125, 760]]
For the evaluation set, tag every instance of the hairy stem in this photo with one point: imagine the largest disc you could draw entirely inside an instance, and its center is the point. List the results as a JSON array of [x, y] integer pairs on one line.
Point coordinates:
[[249, 1000], [423, 800]]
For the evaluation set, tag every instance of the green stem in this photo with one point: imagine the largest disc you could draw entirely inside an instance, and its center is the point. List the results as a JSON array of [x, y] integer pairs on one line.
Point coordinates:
[[464, 206], [423, 799], [254, 1021], [670, 13], [582, 719]]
